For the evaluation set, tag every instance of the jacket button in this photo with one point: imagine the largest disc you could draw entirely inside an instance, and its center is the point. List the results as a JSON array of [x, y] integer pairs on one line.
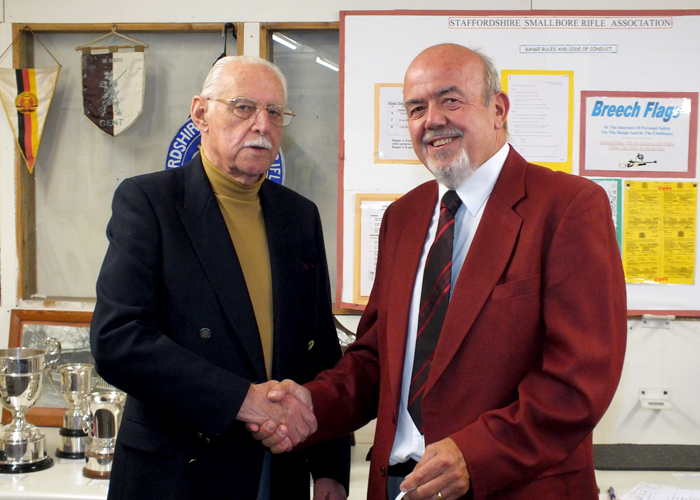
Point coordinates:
[[205, 333], [310, 345], [382, 470], [393, 418]]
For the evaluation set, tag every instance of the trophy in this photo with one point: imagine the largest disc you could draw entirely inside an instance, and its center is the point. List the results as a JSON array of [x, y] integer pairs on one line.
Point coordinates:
[[102, 423], [22, 445], [76, 384]]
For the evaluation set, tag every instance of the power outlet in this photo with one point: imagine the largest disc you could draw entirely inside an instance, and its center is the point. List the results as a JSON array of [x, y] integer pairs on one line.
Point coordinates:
[[655, 398]]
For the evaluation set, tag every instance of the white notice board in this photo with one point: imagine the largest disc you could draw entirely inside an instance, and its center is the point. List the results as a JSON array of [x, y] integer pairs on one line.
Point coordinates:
[[606, 51]]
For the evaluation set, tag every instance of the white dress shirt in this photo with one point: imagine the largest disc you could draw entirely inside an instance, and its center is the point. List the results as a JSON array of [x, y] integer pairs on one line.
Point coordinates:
[[408, 442]]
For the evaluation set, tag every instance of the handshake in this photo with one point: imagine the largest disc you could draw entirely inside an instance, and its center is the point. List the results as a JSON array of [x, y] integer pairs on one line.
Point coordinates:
[[279, 414]]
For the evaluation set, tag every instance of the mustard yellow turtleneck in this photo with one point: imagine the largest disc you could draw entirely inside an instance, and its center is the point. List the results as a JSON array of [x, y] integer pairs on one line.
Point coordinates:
[[240, 206]]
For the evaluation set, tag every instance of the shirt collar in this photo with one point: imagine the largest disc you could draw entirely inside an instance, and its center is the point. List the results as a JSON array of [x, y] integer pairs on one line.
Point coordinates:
[[478, 186]]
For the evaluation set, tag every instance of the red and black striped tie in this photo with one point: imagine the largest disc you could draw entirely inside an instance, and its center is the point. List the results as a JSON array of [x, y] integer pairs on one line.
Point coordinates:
[[434, 299]]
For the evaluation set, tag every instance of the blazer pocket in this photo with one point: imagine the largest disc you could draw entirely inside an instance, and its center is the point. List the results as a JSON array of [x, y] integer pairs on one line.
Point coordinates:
[[517, 288], [144, 437]]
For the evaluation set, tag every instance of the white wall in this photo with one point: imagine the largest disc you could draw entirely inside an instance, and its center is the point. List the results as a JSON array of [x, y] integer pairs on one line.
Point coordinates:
[[81, 11]]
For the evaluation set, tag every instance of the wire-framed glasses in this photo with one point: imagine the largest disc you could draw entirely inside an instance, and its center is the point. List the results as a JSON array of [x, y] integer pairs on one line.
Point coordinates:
[[246, 108]]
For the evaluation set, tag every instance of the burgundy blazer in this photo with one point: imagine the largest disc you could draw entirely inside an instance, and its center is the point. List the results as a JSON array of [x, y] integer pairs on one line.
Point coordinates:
[[532, 346]]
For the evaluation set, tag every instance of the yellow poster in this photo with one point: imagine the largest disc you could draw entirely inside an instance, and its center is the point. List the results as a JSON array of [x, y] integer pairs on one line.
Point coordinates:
[[659, 232], [541, 117]]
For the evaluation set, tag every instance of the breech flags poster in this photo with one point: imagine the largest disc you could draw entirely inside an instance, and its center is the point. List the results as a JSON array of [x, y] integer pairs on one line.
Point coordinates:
[[26, 96]]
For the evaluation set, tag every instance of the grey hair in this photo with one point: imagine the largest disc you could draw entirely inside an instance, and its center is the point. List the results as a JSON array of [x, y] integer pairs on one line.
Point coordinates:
[[492, 82], [212, 84]]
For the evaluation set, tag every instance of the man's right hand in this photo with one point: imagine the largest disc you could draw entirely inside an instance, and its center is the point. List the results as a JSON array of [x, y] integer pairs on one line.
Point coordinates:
[[283, 420], [279, 438]]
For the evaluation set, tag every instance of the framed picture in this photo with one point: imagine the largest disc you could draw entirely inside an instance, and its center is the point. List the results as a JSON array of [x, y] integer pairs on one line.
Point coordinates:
[[30, 328], [639, 134]]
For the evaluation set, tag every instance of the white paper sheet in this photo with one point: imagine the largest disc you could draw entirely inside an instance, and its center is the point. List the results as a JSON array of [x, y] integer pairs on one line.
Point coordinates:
[[647, 491]]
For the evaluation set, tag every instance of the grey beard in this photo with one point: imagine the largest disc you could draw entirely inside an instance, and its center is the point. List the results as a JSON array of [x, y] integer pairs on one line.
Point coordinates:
[[455, 174]]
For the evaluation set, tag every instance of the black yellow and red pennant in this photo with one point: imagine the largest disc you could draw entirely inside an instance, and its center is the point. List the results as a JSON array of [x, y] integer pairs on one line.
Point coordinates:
[[26, 96]]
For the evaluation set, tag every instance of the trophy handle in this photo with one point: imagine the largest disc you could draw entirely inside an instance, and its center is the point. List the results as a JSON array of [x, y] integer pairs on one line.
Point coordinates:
[[53, 352], [86, 422], [48, 375]]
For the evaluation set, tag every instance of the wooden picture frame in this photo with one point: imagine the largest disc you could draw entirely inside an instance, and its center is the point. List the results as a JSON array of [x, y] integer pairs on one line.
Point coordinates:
[[28, 328]]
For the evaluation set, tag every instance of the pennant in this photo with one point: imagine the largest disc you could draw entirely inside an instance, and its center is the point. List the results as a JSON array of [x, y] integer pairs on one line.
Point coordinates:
[[113, 89], [26, 96]]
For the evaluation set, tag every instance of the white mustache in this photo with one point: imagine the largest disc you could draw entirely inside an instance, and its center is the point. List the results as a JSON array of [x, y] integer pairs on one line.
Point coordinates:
[[432, 134], [260, 142]]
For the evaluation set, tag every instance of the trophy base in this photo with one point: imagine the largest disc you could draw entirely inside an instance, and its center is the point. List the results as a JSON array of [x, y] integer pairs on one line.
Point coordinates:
[[99, 465], [23, 449], [73, 445], [69, 455], [26, 467]]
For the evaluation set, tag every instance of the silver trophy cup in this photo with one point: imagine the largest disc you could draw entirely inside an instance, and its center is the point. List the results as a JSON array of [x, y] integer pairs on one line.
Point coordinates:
[[102, 423], [22, 369], [76, 385]]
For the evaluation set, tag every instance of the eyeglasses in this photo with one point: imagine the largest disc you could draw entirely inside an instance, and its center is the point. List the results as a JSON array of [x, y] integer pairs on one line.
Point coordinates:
[[246, 108]]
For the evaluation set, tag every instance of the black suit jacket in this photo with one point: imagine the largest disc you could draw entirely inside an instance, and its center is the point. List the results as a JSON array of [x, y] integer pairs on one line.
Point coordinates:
[[174, 328]]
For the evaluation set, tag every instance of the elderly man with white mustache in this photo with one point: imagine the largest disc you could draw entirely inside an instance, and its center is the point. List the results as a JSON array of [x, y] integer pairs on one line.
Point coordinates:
[[215, 282]]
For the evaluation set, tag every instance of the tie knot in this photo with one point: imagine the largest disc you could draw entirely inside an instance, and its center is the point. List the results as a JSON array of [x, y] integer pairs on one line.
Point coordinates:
[[451, 201]]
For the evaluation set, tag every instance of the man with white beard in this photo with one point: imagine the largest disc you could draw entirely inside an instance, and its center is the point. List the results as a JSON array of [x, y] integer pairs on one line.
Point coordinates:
[[495, 332]]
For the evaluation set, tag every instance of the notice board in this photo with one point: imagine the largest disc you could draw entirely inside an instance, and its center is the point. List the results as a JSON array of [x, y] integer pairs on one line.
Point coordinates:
[[615, 93]]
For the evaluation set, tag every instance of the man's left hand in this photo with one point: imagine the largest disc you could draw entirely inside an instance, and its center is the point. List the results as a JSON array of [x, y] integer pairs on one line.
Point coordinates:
[[326, 488], [442, 469]]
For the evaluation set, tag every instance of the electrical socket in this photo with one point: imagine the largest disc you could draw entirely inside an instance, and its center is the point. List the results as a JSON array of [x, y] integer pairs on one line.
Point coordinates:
[[655, 398]]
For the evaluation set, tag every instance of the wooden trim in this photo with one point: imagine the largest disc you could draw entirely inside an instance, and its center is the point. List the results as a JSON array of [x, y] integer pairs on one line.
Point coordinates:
[[334, 25], [266, 42], [682, 313], [25, 191], [346, 312], [45, 417], [43, 316], [86, 27], [26, 227], [240, 38]]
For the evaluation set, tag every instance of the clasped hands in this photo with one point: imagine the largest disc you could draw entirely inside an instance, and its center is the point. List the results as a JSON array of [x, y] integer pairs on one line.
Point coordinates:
[[442, 468], [279, 414]]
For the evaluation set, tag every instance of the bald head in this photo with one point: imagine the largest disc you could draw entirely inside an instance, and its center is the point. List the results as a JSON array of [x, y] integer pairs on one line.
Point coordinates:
[[458, 55], [456, 111]]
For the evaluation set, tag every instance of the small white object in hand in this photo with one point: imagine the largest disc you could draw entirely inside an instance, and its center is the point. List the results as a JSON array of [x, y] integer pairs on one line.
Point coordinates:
[[403, 493]]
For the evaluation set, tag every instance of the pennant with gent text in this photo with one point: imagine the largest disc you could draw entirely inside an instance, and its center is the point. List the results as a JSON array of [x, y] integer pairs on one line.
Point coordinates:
[[26, 96], [113, 89]]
